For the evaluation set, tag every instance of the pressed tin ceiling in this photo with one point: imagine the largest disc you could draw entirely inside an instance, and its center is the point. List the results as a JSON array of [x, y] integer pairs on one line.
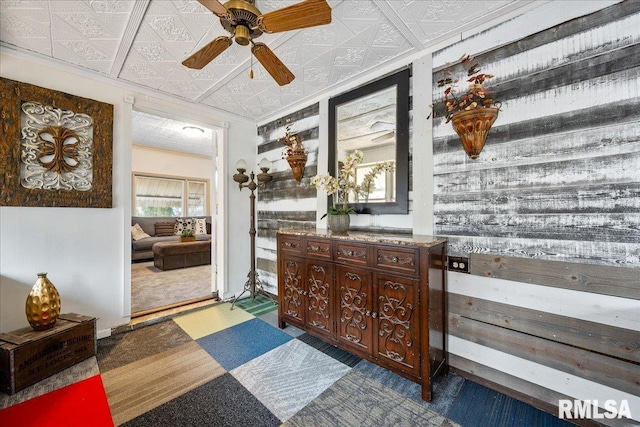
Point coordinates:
[[143, 42]]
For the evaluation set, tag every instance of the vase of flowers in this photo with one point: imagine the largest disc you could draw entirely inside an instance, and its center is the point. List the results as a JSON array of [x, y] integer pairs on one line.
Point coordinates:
[[343, 185], [473, 112]]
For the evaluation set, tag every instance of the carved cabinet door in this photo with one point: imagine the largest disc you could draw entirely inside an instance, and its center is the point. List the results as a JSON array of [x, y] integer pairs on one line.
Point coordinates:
[[396, 323], [355, 302], [320, 297], [294, 289]]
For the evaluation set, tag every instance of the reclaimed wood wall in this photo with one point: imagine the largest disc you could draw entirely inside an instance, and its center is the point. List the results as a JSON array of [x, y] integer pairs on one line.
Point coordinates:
[[558, 177], [550, 213], [284, 203]]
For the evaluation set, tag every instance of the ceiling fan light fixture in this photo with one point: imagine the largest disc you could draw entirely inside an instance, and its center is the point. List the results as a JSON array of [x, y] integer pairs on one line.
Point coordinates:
[[242, 35], [245, 23], [244, 14]]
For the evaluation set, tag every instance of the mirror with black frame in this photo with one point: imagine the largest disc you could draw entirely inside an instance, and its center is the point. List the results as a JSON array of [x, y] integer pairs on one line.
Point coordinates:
[[374, 119]]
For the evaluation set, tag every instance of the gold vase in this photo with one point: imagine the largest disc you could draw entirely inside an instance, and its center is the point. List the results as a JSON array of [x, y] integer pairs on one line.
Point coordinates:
[[472, 127], [43, 304]]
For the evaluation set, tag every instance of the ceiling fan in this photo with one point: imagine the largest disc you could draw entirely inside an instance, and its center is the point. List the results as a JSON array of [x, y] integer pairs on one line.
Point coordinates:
[[245, 23]]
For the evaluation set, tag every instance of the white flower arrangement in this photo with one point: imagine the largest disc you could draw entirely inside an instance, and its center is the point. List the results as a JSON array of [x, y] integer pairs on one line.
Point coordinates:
[[345, 183]]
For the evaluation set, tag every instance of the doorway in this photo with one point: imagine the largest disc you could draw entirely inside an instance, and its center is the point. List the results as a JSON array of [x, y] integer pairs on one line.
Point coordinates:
[[173, 195]]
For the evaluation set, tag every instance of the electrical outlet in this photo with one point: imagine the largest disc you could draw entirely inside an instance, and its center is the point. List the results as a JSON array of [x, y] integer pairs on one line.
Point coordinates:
[[457, 263]]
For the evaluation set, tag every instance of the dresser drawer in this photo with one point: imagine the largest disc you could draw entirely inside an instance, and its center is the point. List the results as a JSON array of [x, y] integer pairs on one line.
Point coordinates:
[[290, 244], [352, 253], [394, 258], [318, 248]]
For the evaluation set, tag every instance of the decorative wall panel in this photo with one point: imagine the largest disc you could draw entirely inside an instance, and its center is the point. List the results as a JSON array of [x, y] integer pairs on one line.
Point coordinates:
[[56, 148]]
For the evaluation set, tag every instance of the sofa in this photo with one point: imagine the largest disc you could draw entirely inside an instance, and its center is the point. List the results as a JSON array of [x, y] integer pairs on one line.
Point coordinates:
[[158, 229]]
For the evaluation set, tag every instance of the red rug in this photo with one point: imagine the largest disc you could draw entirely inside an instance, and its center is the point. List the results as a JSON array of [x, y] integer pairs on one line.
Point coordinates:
[[77, 405]]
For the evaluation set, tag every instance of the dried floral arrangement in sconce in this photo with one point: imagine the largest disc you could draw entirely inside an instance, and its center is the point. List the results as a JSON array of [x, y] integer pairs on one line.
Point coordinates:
[[473, 112], [294, 152]]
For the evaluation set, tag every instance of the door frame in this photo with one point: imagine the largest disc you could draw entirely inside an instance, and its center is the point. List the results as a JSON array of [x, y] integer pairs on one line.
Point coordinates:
[[216, 191]]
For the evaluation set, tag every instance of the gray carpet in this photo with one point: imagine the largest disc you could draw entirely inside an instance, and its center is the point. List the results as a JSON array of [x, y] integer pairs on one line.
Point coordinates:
[[122, 349], [445, 388], [288, 377], [222, 402], [358, 400], [152, 288]]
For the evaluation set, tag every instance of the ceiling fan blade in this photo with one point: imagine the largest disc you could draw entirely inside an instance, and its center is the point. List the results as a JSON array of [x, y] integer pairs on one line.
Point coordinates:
[[272, 64], [308, 13], [218, 9], [208, 53]]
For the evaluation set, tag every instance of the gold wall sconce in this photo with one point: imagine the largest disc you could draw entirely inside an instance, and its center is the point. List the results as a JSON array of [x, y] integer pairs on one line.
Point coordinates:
[[295, 153]]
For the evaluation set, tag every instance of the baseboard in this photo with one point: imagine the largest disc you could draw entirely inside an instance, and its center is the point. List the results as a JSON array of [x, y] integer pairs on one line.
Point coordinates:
[[103, 333]]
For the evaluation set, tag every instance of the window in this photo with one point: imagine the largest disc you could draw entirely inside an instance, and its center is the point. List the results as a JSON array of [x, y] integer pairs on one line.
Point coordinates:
[[196, 198], [383, 185], [163, 196]]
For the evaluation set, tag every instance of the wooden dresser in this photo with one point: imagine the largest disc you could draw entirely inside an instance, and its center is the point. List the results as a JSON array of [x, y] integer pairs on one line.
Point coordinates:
[[379, 296]]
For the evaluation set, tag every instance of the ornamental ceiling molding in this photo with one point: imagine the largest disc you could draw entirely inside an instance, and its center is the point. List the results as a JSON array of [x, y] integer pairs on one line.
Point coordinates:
[[140, 43]]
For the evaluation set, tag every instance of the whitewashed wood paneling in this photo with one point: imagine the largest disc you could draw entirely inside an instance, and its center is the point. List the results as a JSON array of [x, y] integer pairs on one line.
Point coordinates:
[[558, 180], [556, 174], [536, 373], [285, 202], [538, 19], [608, 310]]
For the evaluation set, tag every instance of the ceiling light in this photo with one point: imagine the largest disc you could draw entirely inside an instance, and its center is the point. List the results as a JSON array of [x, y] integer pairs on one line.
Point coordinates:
[[193, 130]]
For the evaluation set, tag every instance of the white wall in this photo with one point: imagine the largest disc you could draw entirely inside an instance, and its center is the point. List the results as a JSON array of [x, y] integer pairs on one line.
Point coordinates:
[[86, 251], [242, 142], [170, 163]]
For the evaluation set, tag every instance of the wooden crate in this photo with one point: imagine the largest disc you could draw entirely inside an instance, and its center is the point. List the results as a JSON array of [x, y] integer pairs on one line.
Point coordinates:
[[28, 356]]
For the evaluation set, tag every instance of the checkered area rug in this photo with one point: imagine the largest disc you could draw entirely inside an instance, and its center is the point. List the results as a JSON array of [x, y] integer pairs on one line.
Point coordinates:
[[222, 367]]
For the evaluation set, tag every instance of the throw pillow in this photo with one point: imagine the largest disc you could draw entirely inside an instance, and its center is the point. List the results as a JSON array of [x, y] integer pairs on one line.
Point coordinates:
[[200, 226], [164, 228], [137, 232], [182, 224]]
